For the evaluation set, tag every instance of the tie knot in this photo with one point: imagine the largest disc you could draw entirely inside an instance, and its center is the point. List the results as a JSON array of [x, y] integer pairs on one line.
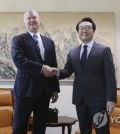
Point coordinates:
[[35, 36], [85, 46]]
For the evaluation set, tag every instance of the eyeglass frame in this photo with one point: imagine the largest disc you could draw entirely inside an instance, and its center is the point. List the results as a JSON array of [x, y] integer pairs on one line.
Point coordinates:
[[81, 28]]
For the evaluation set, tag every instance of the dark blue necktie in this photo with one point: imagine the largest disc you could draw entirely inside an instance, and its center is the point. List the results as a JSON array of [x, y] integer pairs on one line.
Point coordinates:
[[84, 56]]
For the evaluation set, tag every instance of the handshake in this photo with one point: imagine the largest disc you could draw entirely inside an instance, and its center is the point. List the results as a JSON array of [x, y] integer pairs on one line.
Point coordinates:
[[49, 71]]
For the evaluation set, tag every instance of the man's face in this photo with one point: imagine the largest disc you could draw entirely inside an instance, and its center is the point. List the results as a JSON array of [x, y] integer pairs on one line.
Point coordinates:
[[85, 32], [32, 22]]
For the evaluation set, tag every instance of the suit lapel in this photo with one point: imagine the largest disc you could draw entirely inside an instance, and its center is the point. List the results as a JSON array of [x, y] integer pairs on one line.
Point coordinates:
[[91, 54], [29, 38], [33, 43], [45, 46], [78, 56]]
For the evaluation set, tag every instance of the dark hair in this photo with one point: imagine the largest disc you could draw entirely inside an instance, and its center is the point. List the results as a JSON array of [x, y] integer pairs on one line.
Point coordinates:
[[88, 20]]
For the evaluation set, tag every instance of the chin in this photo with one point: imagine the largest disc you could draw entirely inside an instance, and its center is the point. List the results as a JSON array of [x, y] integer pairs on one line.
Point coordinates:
[[84, 39], [33, 30]]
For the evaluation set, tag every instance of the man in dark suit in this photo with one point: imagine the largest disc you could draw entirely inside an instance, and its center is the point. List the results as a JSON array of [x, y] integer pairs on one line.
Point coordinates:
[[94, 87], [33, 55]]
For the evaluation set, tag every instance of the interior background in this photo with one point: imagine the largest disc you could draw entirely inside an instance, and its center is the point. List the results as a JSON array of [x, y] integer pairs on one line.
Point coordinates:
[[65, 98]]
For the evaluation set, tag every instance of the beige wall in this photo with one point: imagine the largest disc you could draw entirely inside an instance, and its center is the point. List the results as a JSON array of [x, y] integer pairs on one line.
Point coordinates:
[[60, 5], [70, 6]]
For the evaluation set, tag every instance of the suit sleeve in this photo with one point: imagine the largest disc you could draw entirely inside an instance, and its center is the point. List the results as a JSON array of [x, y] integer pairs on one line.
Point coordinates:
[[20, 59], [54, 64], [111, 88], [67, 70]]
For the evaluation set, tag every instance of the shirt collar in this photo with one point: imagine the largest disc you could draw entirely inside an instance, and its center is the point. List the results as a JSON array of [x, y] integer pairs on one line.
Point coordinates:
[[89, 45], [31, 33]]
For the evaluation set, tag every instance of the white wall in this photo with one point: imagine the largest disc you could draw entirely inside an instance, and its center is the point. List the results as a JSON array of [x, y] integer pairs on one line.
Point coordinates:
[[65, 107], [64, 103]]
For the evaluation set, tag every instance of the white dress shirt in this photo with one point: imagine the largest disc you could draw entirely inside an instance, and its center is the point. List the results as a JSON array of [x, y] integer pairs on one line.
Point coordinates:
[[89, 47]]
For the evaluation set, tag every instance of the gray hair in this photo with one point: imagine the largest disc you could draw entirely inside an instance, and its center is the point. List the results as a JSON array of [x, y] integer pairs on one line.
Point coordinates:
[[29, 11]]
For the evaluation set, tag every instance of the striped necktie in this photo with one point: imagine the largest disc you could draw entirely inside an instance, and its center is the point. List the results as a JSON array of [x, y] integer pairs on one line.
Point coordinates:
[[41, 50], [35, 37]]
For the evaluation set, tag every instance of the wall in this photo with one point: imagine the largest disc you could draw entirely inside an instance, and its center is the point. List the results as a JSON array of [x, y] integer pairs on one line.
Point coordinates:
[[70, 6], [64, 103]]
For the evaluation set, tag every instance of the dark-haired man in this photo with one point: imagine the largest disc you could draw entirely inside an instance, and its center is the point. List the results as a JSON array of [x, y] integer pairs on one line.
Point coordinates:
[[94, 87]]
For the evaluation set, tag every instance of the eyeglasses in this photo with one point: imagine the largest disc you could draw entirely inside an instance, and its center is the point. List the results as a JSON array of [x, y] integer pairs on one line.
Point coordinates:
[[85, 28]]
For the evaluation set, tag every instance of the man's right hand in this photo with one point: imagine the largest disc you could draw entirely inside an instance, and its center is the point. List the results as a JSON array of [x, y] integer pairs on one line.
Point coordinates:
[[49, 71], [46, 70]]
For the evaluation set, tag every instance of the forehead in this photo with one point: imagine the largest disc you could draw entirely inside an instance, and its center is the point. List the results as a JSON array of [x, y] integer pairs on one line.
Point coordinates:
[[85, 23]]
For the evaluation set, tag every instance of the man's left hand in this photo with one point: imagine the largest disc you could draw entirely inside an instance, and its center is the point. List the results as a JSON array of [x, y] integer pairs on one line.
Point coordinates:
[[110, 106], [54, 97]]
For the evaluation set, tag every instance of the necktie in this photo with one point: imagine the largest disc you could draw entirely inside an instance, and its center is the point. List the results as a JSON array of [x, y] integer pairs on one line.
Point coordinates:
[[39, 47], [35, 37], [84, 56]]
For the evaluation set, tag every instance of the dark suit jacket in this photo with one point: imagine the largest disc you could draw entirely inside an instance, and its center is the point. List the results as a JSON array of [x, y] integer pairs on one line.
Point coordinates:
[[96, 83], [29, 81]]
